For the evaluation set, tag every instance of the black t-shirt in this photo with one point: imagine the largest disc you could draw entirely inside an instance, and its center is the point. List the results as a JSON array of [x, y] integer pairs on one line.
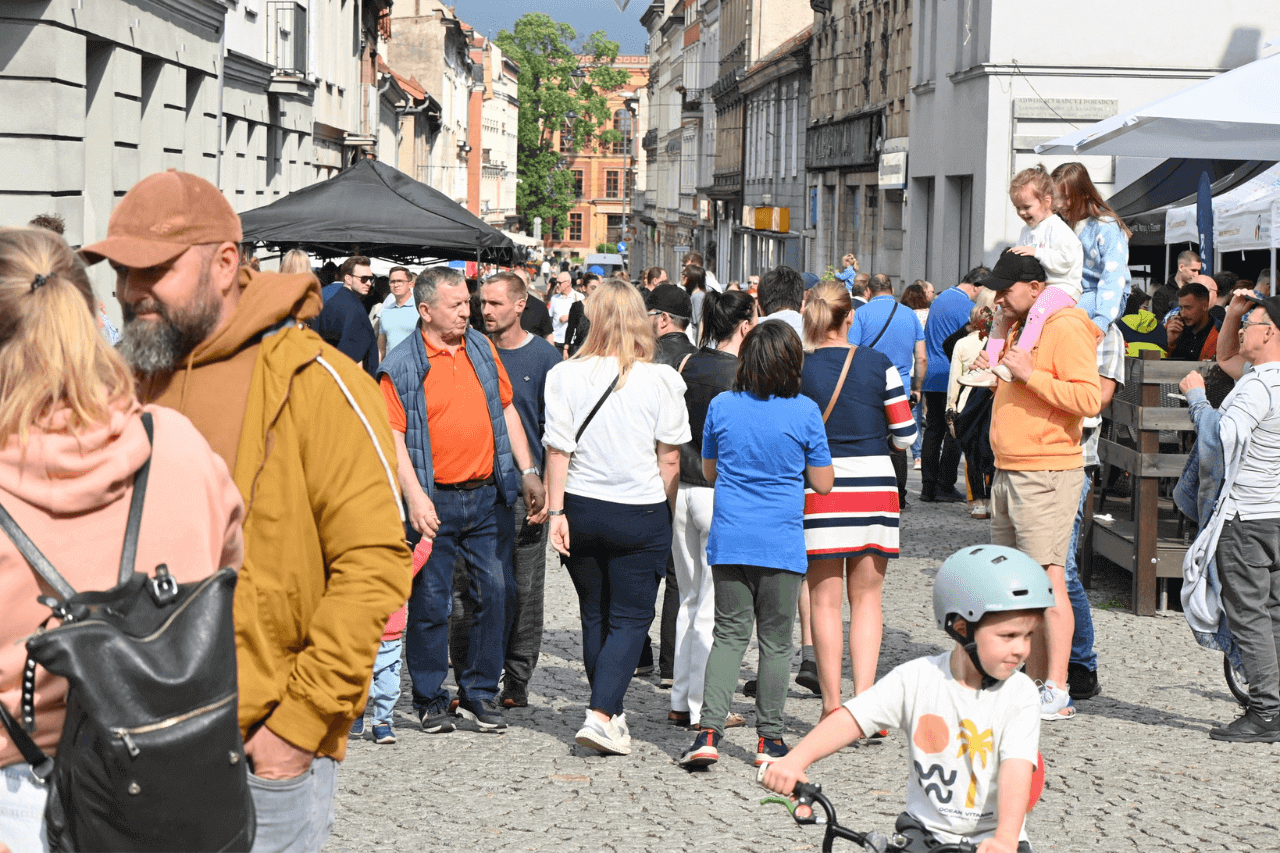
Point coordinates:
[[1190, 343], [535, 318], [707, 373]]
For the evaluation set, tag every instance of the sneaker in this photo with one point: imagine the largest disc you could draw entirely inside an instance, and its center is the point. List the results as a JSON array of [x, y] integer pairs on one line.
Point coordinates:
[[485, 713], [949, 497], [1003, 372], [807, 677], [1055, 703], [435, 718], [1250, 727], [768, 751], [666, 682], [749, 688], [382, 733], [980, 511], [916, 464], [513, 697], [1082, 682], [608, 737], [645, 667], [979, 378], [357, 727], [703, 753]]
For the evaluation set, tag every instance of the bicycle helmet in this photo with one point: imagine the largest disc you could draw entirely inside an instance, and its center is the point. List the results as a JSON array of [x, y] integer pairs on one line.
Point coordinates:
[[984, 579]]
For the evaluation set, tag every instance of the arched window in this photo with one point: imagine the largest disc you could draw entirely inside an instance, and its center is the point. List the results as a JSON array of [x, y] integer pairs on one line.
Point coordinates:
[[622, 124]]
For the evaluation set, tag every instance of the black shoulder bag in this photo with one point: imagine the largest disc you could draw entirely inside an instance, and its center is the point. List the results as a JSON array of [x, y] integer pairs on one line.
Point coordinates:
[[150, 756], [591, 414]]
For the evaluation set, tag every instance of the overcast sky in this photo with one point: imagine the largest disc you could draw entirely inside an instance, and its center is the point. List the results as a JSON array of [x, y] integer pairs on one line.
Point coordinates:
[[585, 16]]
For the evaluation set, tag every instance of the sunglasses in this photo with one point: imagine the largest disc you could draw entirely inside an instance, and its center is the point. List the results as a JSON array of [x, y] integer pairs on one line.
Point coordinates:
[[363, 279]]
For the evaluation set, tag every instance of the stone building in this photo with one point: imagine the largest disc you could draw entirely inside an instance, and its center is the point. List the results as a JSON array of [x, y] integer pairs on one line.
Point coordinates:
[[856, 140], [990, 82], [494, 122], [260, 98]]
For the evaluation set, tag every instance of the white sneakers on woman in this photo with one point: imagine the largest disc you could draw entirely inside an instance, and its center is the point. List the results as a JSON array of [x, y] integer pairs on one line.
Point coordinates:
[[610, 737]]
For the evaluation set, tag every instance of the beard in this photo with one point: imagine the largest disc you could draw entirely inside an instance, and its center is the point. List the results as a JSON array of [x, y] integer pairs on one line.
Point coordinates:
[[159, 346]]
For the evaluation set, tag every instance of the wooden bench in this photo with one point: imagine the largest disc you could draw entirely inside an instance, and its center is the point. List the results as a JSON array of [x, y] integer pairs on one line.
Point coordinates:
[[1149, 547]]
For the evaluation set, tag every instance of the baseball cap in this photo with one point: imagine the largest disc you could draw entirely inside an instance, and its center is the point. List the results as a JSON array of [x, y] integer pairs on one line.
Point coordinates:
[[1270, 304], [1012, 268], [672, 300], [161, 217], [810, 279]]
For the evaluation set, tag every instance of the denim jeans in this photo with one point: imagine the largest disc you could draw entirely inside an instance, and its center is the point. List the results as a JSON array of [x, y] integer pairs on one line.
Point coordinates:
[[477, 527], [918, 411], [940, 454], [385, 691], [617, 555], [1082, 640], [295, 815]]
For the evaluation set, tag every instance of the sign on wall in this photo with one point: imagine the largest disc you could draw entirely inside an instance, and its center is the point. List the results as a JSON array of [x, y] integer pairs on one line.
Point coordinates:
[[893, 170]]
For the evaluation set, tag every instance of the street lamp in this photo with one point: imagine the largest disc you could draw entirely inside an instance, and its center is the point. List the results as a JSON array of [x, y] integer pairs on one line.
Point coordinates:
[[629, 103]]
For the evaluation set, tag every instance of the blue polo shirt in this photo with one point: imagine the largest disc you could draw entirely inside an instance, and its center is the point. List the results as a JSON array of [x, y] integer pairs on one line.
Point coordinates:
[[900, 334], [397, 321], [949, 311]]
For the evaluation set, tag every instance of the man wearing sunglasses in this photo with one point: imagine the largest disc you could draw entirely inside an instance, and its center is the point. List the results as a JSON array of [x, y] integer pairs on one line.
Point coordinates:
[[344, 321]]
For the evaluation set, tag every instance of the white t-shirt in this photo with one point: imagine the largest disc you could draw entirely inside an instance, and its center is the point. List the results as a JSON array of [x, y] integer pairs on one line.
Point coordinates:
[[959, 736], [617, 460], [558, 307], [1059, 251], [711, 283]]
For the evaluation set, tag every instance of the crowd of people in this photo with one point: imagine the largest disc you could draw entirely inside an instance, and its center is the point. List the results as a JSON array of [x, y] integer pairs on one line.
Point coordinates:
[[386, 467]]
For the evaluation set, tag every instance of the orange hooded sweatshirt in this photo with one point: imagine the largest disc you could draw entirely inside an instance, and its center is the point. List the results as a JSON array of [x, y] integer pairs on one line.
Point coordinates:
[[70, 493], [306, 435], [1036, 426]]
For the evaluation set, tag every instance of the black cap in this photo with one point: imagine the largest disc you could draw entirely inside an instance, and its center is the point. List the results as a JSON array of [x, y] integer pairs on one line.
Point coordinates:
[[1012, 268], [672, 300], [1270, 304]]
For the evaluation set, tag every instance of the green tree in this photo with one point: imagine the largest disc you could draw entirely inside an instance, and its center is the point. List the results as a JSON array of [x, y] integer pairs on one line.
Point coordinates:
[[563, 88]]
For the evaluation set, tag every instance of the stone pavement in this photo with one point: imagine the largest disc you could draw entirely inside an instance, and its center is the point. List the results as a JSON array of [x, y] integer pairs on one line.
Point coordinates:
[[1135, 770]]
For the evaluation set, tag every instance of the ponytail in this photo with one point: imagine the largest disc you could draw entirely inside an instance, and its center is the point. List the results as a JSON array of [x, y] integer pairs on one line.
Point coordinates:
[[828, 306], [722, 313]]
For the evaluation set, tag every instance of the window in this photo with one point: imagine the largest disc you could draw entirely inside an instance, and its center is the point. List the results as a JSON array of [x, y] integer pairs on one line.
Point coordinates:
[[614, 224], [622, 124], [611, 184], [577, 183], [575, 226], [566, 140]]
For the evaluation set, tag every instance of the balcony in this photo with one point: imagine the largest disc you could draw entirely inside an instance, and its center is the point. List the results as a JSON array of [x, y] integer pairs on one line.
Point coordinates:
[[287, 37], [692, 100]]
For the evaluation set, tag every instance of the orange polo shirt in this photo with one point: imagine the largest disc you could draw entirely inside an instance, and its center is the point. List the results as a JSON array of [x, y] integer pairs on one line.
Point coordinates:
[[457, 413]]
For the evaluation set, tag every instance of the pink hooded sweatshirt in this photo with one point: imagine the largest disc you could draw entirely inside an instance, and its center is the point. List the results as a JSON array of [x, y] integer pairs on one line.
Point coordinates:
[[70, 494]]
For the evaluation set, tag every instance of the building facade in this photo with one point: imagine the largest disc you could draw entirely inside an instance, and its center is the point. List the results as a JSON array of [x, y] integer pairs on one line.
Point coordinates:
[[988, 82], [261, 99], [499, 122], [861, 55], [605, 173]]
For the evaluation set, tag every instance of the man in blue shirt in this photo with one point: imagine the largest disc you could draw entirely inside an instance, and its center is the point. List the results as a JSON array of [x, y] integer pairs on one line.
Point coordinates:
[[344, 322], [941, 454], [884, 325]]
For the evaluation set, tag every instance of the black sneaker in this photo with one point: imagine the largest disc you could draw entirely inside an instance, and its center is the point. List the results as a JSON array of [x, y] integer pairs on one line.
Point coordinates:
[[808, 676], [1250, 727], [435, 718], [485, 713], [645, 667], [1082, 682], [949, 497], [514, 696], [749, 688]]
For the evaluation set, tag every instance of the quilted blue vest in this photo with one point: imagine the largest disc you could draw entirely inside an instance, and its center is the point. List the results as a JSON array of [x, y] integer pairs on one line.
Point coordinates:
[[407, 365]]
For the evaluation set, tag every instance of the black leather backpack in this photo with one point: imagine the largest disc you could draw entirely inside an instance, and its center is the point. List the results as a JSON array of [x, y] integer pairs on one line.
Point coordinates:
[[151, 756]]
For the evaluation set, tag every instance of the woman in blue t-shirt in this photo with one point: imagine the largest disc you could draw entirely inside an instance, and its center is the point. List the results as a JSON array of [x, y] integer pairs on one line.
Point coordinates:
[[759, 443], [851, 533]]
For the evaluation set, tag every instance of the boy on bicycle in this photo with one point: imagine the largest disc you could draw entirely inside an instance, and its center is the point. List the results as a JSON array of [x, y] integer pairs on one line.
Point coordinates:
[[972, 718]]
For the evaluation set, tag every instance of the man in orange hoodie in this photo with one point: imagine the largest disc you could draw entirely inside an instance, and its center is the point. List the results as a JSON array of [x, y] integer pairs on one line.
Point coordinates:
[[306, 437], [1036, 422]]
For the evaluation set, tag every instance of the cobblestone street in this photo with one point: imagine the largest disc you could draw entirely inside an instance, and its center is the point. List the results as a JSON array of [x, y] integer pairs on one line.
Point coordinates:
[[1135, 770]]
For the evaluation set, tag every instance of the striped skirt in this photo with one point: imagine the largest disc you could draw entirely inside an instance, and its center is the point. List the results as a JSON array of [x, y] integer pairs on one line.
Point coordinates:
[[859, 516]]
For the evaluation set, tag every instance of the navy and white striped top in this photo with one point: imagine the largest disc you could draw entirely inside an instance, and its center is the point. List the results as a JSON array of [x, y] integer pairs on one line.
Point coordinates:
[[872, 403]]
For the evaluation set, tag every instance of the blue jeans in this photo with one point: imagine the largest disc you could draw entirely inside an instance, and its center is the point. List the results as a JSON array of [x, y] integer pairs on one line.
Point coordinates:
[[617, 556], [1082, 640], [918, 411], [386, 680], [478, 526]]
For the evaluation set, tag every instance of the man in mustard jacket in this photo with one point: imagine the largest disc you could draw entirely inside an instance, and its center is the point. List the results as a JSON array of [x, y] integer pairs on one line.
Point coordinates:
[[305, 434]]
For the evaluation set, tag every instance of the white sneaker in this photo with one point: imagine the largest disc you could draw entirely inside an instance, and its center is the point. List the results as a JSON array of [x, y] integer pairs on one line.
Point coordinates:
[[1003, 372], [1055, 703], [979, 510], [609, 738], [978, 379], [1091, 423]]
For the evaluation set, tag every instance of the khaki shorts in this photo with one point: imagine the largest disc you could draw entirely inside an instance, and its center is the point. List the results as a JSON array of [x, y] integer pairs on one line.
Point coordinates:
[[1034, 512]]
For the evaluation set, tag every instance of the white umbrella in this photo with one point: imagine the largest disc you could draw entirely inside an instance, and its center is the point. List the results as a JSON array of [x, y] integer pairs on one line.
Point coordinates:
[[1234, 116]]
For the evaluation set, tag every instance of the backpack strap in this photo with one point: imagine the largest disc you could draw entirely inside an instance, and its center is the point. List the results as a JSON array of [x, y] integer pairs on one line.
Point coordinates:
[[41, 764], [129, 553]]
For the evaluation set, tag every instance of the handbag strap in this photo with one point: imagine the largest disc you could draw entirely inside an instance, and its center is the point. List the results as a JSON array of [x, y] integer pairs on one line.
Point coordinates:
[[41, 764], [885, 327], [835, 395], [596, 408], [128, 554]]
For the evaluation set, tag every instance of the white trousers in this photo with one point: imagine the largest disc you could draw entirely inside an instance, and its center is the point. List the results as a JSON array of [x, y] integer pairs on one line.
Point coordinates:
[[696, 618]]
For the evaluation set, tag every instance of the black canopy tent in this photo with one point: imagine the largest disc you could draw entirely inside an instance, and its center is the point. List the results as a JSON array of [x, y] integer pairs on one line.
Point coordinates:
[[372, 209]]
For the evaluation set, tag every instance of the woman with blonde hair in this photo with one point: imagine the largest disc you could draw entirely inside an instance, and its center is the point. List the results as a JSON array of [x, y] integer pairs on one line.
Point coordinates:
[[851, 533], [295, 261], [615, 423], [72, 437]]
